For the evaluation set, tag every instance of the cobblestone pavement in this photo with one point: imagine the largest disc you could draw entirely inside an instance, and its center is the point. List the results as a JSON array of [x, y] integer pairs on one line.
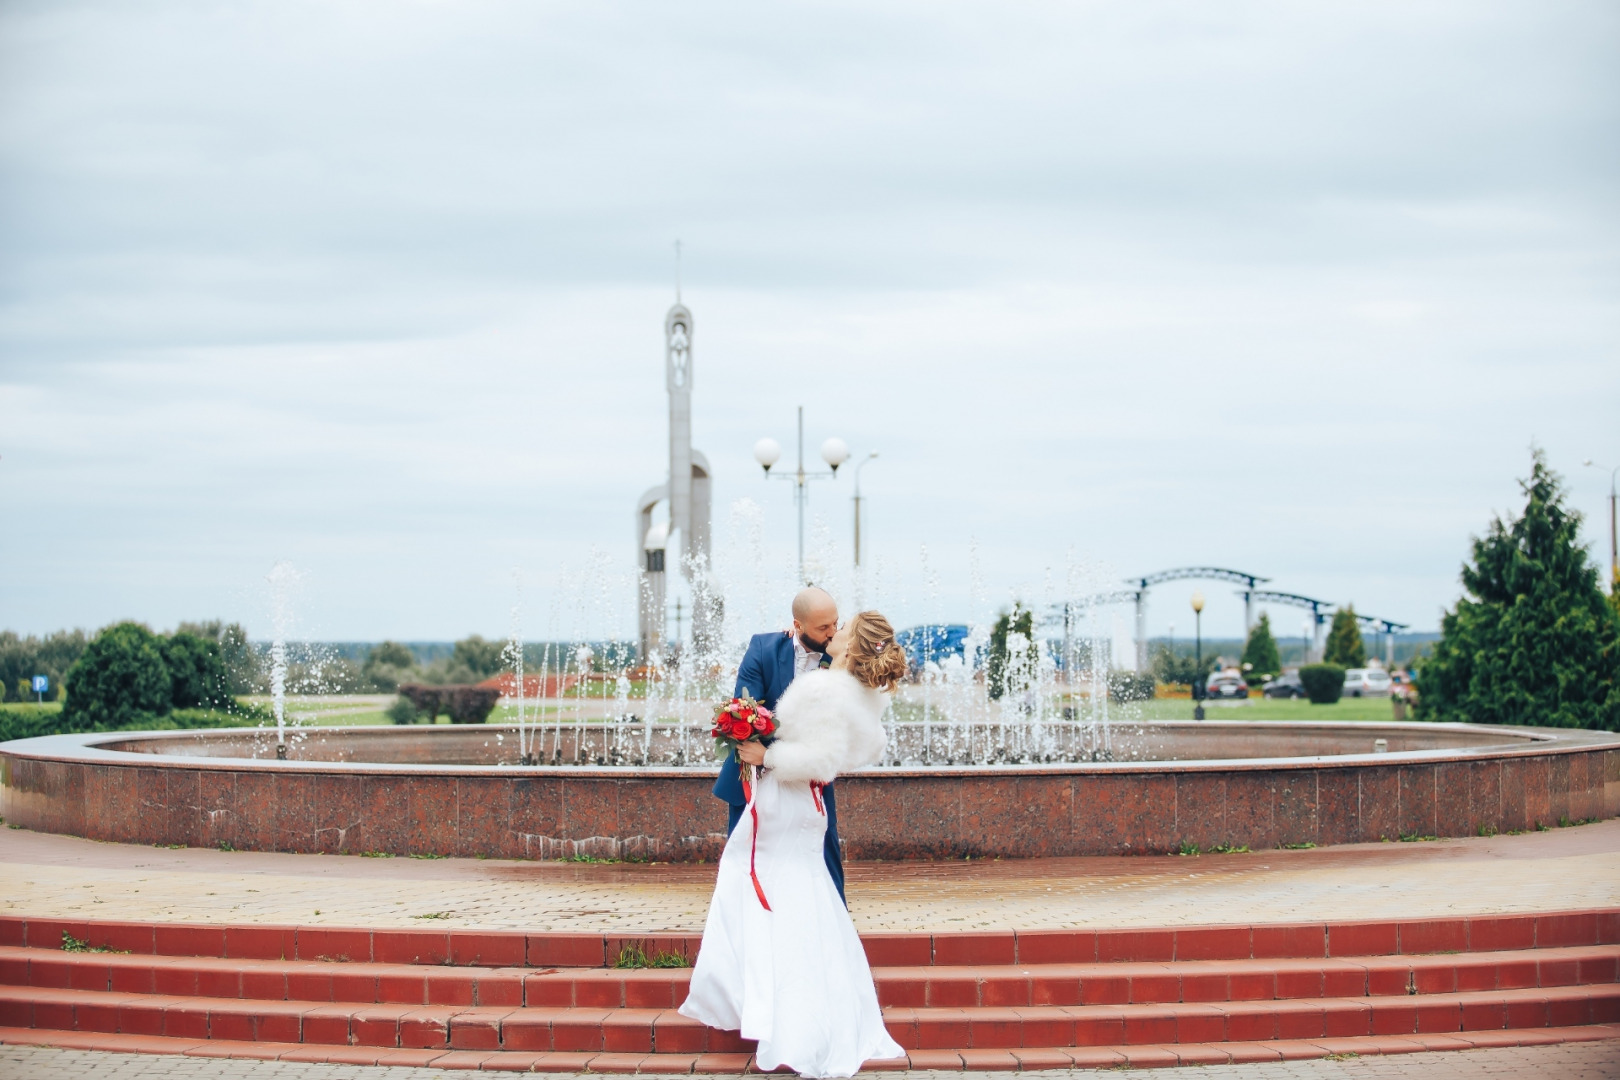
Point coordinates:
[[66, 877], [1568, 1061]]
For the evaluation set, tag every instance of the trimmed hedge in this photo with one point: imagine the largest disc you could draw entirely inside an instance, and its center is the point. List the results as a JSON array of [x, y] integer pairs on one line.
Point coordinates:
[[465, 704], [1125, 686], [1324, 683], [18, 723]]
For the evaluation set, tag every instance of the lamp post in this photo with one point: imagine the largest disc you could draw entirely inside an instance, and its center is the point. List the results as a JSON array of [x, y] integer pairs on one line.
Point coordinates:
[[1614, 547], [834, 452], [859, 466], [1198, 688]]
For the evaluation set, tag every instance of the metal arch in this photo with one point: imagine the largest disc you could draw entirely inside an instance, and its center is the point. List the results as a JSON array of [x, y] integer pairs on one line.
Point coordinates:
[[1206, 573], [1266, 596], [1123, 596], [1383, 626]]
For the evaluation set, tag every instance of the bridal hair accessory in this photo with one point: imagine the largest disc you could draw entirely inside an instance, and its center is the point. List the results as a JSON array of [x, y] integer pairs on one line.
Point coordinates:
[[740, 720]]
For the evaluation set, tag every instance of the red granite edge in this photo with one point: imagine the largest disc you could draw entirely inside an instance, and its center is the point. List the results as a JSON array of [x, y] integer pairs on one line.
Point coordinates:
[[1236, 941]]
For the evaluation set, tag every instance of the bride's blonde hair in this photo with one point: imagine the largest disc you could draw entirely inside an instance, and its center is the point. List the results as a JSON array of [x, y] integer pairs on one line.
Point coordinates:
[[875, 658]]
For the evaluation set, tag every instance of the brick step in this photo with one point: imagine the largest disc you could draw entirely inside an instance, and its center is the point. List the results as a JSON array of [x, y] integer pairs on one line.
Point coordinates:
[[1200, 981], [1490, 933], [663, 1031], [930, 986], [1133, 1057]]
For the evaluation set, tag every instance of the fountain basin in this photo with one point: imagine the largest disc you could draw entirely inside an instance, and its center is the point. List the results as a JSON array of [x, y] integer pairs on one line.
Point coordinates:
[[458, 791]]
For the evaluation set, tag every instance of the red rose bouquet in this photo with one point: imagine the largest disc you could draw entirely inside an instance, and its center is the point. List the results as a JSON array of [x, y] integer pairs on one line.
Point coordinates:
[[740, 720]]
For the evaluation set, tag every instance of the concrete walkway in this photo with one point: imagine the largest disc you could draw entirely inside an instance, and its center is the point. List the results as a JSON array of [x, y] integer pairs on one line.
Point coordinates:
[[65, 877], [1566, 1061]]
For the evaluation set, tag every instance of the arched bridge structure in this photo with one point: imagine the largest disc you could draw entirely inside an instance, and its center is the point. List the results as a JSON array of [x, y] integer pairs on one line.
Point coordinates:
[[1248, 588]]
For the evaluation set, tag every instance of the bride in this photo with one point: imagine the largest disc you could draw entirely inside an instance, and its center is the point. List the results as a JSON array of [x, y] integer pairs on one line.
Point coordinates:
[[780, 959]]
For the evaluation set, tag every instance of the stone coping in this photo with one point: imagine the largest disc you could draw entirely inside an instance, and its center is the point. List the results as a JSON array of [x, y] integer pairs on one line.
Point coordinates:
[[92, 749]]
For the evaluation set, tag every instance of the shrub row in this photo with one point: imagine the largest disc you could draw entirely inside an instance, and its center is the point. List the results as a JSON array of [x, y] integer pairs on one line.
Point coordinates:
[[18, 723], [464, 704]]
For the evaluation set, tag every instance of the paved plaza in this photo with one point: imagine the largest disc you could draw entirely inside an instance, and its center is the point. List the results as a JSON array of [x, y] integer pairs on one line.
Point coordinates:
[[1566, 1061], [66, 877]]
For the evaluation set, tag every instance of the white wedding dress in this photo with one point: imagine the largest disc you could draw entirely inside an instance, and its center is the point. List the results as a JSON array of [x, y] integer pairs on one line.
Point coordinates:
[[795, 977]]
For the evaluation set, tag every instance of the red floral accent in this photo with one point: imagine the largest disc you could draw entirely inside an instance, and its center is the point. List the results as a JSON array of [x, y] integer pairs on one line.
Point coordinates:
[[740, 720]]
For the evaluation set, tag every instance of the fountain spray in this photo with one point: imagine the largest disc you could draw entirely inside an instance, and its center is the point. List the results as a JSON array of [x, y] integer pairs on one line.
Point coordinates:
[[282, 578]]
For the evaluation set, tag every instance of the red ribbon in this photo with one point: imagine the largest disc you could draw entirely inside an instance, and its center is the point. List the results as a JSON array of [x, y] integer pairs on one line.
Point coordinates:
[[753, 846], [815, 793]]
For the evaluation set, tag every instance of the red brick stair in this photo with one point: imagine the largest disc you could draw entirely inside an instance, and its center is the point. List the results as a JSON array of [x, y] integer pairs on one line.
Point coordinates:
[[988, 1001]]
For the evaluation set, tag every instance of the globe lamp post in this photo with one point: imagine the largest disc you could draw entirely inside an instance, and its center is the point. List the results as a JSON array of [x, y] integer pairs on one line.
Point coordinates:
[[834, 452], [1198, 687], [861, 465]]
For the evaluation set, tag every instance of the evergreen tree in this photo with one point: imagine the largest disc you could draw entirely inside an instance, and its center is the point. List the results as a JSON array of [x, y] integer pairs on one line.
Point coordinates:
[[1533, 641], [1019, 621], [1260, 651], [1344, 645]]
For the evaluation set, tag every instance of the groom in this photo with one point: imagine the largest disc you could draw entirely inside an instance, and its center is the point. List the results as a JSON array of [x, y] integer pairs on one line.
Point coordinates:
[[771, 662]]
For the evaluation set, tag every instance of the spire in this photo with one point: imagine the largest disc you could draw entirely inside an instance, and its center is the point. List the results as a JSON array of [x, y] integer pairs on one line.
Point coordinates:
[[677, 271]]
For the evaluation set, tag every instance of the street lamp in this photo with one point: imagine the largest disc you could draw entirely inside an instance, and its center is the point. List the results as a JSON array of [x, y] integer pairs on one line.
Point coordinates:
[[859, 466], [834, 452], [1614, 548], [1198, 688]]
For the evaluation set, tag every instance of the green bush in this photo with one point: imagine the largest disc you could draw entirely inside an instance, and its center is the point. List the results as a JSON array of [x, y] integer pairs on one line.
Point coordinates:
[[1175, 668], [1324, 683], [465, 704], [120, 679], [1126, 686], [20, 722], [402, 711], [196, 672]]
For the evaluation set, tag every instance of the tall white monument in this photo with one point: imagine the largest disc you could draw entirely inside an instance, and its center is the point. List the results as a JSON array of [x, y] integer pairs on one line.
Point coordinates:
[[682, 538]]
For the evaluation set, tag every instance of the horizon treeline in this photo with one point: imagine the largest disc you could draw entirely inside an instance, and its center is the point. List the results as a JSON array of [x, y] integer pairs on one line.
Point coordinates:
[[313, 667]]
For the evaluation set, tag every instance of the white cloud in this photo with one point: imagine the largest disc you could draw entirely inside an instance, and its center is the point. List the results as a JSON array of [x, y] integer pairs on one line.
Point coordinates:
[[379, 288]]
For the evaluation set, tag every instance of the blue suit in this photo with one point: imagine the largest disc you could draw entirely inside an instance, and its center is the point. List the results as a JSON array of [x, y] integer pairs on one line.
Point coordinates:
[[766, 670]]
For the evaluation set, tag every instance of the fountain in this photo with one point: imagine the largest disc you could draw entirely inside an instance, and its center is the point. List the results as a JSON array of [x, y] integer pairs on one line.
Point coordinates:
[[606, 759]]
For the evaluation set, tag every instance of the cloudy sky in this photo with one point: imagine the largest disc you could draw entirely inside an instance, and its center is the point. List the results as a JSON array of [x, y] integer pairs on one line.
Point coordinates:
[[377, 289]]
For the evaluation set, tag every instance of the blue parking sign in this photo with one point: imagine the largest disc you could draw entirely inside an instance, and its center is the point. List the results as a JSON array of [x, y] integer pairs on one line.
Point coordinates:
[[42, 684]]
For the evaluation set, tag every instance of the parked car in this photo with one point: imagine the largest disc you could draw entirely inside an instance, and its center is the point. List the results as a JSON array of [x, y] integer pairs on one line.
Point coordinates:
[[1286, 685], [1226, 684], [1366, 682]]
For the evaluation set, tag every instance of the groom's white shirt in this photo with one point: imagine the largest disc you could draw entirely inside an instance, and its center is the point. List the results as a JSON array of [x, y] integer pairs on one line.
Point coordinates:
[[803, 659]]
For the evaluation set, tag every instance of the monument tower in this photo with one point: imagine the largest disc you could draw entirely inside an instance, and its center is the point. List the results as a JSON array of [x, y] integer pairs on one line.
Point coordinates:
[[682, 538]]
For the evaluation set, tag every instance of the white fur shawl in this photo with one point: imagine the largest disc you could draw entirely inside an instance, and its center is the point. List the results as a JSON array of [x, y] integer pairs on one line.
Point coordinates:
[[829, 724]]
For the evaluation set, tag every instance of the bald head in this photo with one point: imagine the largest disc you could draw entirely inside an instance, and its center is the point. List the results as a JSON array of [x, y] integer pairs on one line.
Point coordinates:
[[813, 601], [815, 618]]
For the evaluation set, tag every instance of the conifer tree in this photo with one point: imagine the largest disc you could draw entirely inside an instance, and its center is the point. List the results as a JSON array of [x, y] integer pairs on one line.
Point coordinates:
[[1020, 621], [1344, 645], [1260, 651], [1533, 641]]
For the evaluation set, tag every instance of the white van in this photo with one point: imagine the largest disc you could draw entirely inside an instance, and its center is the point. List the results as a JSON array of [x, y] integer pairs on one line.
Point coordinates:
[[1366, 682]]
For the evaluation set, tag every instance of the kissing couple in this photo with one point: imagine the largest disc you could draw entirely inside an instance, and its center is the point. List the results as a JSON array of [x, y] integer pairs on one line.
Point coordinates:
[[780, 960]]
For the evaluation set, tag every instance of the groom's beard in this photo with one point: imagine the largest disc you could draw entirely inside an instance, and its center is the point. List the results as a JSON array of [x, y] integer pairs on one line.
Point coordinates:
[[812, 645]]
